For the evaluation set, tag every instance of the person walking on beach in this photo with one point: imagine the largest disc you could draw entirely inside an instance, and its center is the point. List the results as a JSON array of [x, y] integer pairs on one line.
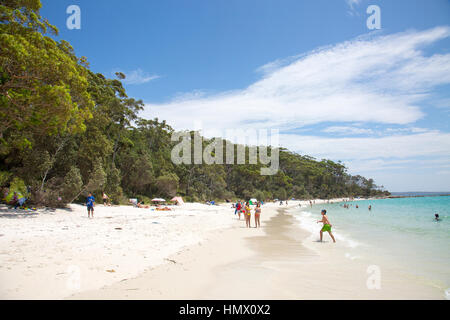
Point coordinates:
[[238, 209], [90, 203], [247, 214], [257, 215], [326, 226], [105, 199]]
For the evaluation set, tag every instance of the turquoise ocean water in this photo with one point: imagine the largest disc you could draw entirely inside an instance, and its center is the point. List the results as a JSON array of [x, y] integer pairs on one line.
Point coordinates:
[[401, 230]]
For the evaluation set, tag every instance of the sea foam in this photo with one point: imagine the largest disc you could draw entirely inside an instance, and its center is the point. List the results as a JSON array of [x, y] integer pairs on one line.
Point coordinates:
[[308, 221]]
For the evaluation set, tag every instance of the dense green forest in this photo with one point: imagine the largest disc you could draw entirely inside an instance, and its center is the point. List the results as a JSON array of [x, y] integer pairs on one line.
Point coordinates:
[[66, 131]]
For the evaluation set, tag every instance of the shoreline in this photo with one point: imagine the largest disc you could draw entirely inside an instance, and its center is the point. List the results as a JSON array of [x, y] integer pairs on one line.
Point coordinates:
[[401, 244], [194, 252], [273, 262], [188, 273], [419, 196]]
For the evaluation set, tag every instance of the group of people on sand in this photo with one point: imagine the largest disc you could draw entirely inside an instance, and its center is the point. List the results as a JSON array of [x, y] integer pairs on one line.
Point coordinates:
[[246, 211], [14, 198], [90, 203], [141, 204]]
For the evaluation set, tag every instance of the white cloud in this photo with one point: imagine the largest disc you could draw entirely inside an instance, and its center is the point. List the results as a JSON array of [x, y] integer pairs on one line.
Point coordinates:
[[182, 96], [353, 4], [406, 130], [379, 80], [373, 80], [137, 76], [347, 130], [401, 162], [357, 130], [433, 143]]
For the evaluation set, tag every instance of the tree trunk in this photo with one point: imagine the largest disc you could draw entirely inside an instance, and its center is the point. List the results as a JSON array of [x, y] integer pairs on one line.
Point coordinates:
[[52, 162]]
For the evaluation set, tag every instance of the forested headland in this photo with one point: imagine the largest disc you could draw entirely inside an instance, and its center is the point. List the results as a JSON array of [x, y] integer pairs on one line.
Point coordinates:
[[66, 131]]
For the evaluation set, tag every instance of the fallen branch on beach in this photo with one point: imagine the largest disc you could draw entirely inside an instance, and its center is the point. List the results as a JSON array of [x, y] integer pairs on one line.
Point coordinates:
[[173, 261]]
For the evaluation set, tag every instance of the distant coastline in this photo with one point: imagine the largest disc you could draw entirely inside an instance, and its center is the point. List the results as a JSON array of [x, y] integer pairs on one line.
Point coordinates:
[[395, 195]]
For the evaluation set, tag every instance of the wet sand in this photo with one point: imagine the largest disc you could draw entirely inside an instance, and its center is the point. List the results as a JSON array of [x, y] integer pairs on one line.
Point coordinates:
[[267, 263]]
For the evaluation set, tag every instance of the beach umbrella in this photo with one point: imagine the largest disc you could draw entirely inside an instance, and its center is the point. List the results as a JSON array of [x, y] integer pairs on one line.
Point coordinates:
[[179, 200], [158, 200]]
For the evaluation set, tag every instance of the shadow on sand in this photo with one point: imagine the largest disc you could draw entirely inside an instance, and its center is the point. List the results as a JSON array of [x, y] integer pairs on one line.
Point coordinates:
[[10, 213]]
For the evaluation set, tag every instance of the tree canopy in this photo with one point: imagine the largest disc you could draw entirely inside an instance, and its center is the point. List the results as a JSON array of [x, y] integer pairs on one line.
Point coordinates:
[[66, 130]]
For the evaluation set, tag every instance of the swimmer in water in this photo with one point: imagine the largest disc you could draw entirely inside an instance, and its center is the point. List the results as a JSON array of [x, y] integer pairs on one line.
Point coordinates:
[[436, 217]]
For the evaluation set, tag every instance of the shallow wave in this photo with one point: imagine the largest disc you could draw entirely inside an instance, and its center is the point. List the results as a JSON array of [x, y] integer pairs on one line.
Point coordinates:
[[308, 222]]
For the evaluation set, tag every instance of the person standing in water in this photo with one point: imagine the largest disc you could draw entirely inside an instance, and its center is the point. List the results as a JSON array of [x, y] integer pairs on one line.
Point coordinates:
[[257, 215], [370, 208], [326, 226], [90, 203]]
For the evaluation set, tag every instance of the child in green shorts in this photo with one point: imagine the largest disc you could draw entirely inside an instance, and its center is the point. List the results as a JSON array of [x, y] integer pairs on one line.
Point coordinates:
[[326, 225]]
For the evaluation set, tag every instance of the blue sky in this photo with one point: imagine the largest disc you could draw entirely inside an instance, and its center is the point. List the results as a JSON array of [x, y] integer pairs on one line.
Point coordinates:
[[377, 100]]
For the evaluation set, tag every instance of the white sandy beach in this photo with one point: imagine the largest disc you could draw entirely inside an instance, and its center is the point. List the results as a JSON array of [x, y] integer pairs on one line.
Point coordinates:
[[194, 252], [43, 255]]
